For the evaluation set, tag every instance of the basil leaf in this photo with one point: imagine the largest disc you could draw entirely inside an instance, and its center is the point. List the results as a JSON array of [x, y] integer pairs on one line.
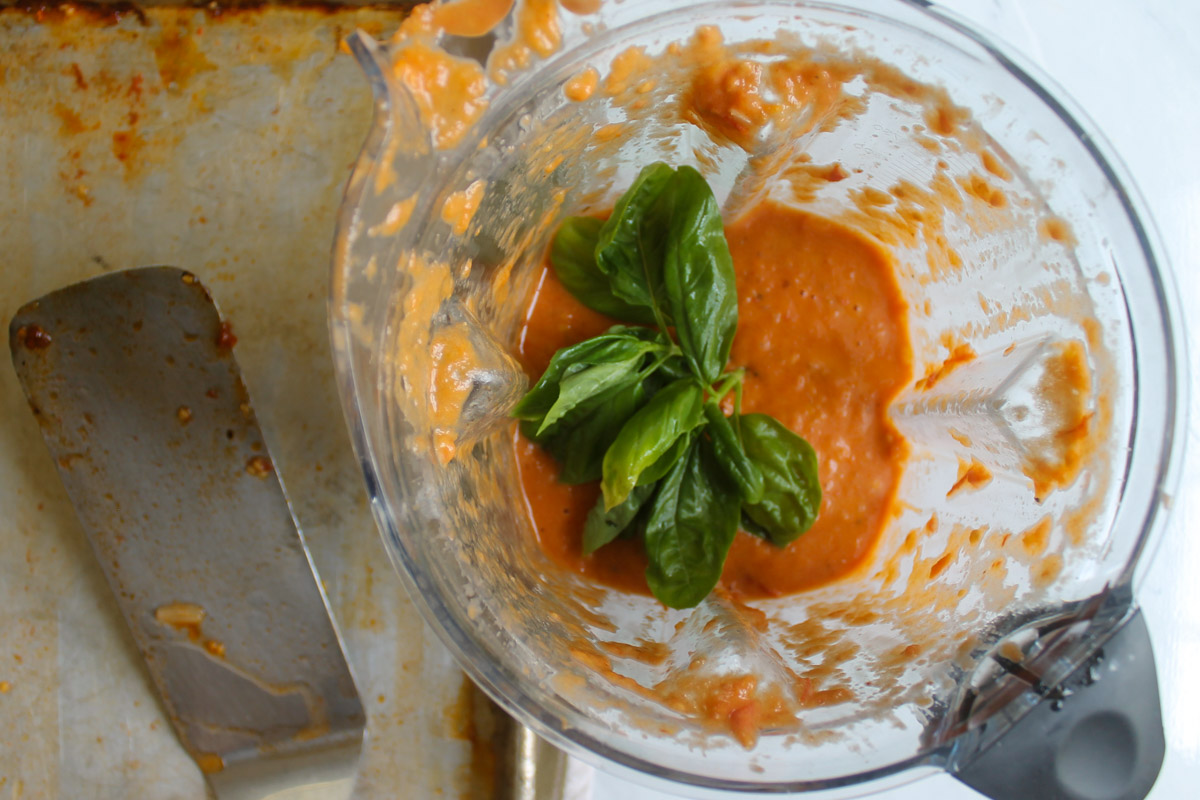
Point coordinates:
[[628, 247], [730, 456], [792, 494], [605, 525], [697, 270], [652, 431], [579, 447], [573, 256], [692, 524], [753, 528], [663, 465], [590, 382], [619, 345]]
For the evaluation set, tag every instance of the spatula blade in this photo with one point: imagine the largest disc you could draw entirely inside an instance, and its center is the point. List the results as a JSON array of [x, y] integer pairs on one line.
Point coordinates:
[[132, 379]]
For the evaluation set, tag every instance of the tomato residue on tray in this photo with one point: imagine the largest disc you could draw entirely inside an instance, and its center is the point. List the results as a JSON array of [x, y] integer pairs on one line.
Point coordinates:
[[823, 338]]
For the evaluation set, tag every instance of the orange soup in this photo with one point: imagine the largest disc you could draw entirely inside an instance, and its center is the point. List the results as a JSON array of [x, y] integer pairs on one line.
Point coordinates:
[[823, 339]]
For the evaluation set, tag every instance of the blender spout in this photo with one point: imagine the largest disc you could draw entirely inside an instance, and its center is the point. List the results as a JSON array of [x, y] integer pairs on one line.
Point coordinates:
[[382, 195], [1097, 734], [396, 112]]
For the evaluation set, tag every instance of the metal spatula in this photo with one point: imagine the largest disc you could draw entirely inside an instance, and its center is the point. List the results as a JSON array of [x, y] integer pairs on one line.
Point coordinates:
[[132, 379]]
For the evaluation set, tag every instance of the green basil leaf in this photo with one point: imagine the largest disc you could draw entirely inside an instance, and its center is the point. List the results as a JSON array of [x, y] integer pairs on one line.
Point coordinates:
[[605, 525], [573, 256], [692, 524], [579, 447], [654, 430], [697, 273], [663, 465], [792, 494], [619, 344], [586, 384], [731, 457], [753, 528], [628, 249]]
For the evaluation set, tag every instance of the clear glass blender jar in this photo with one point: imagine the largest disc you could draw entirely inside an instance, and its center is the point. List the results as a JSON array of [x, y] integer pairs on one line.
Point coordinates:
[[968, 593]]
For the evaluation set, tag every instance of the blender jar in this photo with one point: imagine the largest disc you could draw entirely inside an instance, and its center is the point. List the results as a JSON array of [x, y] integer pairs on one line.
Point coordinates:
[[1024, 257]]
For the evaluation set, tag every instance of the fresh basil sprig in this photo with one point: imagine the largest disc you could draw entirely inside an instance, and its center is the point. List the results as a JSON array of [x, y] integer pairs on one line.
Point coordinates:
[[639, 408]]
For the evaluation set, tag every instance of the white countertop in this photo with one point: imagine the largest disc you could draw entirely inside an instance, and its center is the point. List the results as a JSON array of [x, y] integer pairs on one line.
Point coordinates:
[[1134, 66]]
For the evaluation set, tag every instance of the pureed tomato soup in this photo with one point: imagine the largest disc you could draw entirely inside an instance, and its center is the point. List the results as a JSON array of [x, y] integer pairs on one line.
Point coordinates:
[[823, 339]]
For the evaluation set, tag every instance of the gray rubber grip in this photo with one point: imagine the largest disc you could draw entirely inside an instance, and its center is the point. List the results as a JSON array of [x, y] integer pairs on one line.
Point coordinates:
[[1097, 736]]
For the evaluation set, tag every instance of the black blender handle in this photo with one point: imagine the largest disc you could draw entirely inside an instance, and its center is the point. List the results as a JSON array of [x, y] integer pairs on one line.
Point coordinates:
[[1099, 737]]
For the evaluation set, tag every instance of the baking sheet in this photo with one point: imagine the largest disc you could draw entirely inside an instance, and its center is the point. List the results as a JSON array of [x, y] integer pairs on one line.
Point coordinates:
[[218, 141]]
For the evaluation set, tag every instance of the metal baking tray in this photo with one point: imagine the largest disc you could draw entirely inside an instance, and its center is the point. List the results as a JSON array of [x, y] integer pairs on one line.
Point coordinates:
[[218, 139]]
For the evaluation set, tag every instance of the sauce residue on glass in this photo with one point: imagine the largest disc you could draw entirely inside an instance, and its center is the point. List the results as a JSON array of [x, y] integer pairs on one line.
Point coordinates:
[[459, 208], [971, 475], [1054, 460], [448, 92], [470, 17], [959, 355], [454, 358], [824, 341], [582, 86]]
